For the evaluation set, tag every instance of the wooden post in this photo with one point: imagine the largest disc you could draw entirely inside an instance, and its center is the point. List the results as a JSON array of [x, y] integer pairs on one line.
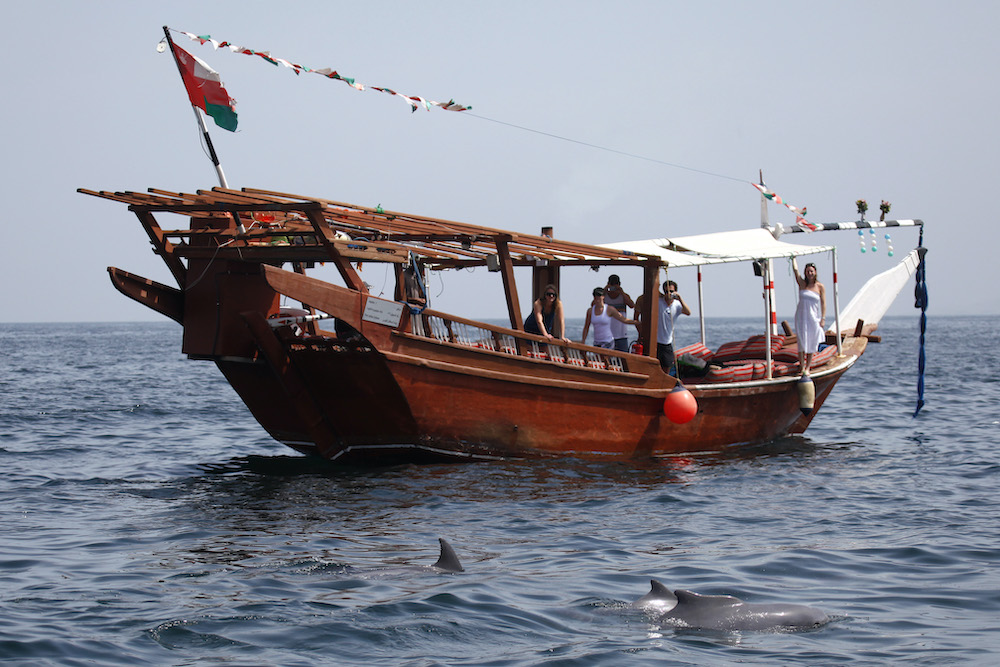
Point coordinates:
[[544, 275], [649, 315], [509, 285]]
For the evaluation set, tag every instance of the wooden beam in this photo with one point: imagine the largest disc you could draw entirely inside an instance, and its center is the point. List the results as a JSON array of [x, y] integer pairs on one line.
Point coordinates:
[[326, 237], [222, 207], [650, 314], [509, 285], [164, 248], [164, 299], [449, 263]]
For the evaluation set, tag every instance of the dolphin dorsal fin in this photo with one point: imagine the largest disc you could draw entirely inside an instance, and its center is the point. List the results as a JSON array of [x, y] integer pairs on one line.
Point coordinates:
[[658, 591], [448, 560], [658, 598], [689, 598]]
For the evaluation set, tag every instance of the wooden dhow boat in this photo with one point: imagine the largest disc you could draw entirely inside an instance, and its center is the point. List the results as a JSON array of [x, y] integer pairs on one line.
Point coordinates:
[[363, 380]]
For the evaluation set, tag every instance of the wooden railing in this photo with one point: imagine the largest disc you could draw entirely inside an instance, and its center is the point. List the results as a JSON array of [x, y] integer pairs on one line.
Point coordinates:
[[457, 331]]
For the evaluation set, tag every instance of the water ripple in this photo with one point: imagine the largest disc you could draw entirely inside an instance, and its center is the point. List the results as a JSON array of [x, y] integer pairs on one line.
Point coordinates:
[[148, 520]]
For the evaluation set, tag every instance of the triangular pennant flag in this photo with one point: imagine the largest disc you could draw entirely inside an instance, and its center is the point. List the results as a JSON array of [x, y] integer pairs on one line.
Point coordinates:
[[415, 102]]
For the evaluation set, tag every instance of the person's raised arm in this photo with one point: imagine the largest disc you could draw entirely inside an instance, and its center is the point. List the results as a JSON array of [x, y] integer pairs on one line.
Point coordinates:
[[684, 307], [799, 280]]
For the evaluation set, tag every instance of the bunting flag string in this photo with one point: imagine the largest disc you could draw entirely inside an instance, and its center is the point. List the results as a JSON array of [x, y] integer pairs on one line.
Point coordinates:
[[800, 213], [414, 101]]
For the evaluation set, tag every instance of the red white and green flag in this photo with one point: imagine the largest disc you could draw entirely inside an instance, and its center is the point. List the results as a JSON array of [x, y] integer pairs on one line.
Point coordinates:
[[204, 88]]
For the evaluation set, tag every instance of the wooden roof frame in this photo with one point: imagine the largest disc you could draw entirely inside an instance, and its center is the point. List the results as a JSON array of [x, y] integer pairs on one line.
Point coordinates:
[[332, 231]]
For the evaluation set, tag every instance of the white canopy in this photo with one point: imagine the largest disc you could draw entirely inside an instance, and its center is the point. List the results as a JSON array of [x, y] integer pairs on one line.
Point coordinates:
[[717, 248]]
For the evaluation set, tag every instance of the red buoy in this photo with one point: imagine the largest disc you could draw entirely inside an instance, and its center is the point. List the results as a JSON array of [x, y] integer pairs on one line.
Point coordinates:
[[680, 406]]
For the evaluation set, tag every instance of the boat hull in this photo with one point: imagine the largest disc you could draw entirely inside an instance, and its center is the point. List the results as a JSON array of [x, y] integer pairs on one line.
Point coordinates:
[[358, 406]]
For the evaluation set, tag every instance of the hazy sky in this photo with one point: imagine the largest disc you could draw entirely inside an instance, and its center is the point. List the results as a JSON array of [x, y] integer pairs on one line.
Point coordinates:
[[834, 101]]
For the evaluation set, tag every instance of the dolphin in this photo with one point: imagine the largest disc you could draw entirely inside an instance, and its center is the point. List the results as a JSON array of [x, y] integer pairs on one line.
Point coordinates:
[[685, 609], [447, 563], [448, 560]]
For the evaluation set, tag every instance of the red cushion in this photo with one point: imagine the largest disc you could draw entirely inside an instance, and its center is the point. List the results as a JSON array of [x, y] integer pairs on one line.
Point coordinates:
[[738, 370], [789, 354], [743, 373], [720, 374], [728, 351], [756, 347], [824, 355], [779, 369], [696, 350]]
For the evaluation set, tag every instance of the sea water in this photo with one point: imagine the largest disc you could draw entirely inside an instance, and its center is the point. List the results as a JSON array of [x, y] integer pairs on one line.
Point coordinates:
[[147, 519]]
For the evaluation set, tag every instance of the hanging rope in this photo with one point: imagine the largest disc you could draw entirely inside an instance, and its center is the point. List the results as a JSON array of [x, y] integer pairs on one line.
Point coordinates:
[[920, 294]]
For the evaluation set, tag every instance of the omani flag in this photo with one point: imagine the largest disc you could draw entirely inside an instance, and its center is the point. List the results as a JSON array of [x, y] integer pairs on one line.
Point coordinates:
[[204, 88]]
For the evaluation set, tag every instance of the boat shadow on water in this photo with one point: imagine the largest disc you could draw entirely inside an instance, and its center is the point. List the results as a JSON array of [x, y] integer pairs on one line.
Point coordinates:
[[292, 465], [564, 477]]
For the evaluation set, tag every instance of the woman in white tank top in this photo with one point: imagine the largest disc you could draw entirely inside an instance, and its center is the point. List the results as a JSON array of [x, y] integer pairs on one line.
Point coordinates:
[[600, 316]]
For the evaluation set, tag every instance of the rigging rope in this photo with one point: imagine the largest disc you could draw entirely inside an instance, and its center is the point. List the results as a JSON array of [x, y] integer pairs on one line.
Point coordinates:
[[800, 213], [605, 148]]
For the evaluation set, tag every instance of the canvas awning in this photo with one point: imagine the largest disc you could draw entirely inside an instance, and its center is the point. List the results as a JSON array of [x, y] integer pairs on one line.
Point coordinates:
[[717, 248]]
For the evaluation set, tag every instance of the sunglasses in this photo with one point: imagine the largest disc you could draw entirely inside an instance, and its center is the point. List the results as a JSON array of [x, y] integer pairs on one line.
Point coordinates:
[[550, 294]]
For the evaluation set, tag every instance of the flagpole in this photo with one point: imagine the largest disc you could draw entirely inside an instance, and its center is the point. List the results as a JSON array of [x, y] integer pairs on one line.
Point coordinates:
[[199, 116]]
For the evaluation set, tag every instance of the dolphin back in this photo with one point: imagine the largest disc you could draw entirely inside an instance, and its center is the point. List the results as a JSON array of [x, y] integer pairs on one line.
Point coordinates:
[[790, 615], [448, 560], [725, 612]]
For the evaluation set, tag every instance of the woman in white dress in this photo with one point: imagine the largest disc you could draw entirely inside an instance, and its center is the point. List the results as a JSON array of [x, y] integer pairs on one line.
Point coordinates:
[[810, 316]]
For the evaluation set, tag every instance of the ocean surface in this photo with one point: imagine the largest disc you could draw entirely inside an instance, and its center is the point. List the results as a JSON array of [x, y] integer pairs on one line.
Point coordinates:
[[148, 520]]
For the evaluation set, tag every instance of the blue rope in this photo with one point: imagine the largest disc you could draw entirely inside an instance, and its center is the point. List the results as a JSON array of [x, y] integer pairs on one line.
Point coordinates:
[[920, 294]]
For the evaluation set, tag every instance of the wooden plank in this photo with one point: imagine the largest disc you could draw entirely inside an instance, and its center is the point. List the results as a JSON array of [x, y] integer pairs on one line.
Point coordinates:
[[162, 298], [555, 383], [649, 315], [510, 286], [164, 248], [325, 234], [310, 414], [441, 238]]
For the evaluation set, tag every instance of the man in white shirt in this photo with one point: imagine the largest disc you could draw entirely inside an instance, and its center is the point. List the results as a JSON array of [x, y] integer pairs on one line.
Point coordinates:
[[671, 305]]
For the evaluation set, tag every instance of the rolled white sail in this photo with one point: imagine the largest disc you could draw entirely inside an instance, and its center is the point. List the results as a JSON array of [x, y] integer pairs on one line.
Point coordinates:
[[874, 298]]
